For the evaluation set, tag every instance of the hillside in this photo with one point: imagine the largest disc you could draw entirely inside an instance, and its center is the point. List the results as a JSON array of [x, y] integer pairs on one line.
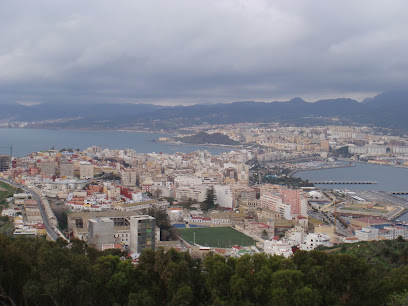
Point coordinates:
[[386, 110], [34, 271], [389, 254], [205, 138]]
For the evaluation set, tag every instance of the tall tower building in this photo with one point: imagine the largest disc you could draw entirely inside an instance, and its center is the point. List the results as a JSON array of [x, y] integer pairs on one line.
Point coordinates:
[[129, 177], [5, 161], [101, 231], [67, 169], [86, 170], [142, 233]]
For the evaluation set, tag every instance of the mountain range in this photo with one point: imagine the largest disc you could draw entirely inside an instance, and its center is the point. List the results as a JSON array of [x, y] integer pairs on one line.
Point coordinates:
[[387, 110]]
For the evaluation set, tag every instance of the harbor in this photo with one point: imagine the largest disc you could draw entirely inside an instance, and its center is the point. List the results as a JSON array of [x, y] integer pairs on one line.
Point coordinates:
[[344, 182]]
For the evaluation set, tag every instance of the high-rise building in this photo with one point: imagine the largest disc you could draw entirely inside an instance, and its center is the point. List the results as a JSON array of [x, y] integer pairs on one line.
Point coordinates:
[[86, 170], [48, 168], [67, 169], [5, 161], [100, 232], [297, 199], [129, 177], [142, 233]]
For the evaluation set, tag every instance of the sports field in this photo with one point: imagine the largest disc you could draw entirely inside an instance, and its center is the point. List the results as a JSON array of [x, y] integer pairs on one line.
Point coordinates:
[[217, 237]]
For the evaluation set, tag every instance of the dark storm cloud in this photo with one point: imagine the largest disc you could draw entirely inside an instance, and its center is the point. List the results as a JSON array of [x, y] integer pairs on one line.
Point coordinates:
[[200, 51]]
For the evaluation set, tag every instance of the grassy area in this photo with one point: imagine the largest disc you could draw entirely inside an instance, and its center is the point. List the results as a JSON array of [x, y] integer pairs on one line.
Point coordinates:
[[222, 237], [6, 191], [315, 221], [7, 228]]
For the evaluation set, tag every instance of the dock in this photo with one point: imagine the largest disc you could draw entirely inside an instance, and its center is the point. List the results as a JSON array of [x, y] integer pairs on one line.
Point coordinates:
[[344, 182]]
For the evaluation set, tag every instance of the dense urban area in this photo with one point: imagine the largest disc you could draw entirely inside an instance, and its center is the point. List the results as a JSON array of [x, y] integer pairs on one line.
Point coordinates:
[[183, 228]]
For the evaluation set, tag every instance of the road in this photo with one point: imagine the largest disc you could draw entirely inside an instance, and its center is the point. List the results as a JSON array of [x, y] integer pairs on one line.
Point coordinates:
[[382, 196], [48, 227], [385, 197], [329, 219]]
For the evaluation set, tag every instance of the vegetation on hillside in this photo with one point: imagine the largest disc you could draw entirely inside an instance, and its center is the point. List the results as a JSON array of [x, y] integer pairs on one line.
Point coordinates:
[[6, 191], [388, 254], [205, 138], [39, 272], [284, 180], [6, 226], [6, 223]]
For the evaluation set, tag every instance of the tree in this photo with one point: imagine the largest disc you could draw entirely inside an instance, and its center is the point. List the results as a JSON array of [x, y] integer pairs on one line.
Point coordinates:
[[209, 201], [163, 222], [400, 299], [264, 234], [157, 192], [34, 271]]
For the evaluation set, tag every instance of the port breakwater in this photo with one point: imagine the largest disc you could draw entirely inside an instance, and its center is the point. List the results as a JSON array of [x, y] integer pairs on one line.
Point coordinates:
[[344, 182], [319, 168]]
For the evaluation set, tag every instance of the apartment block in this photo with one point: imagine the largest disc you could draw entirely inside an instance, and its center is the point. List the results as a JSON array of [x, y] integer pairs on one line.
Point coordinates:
[[86, 170], [129, 177], [101, 232], [142, 233], [67, 169]]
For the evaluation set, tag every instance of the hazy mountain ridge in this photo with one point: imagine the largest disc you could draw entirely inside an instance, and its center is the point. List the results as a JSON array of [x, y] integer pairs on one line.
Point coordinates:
[[47, 111], [385, 110]]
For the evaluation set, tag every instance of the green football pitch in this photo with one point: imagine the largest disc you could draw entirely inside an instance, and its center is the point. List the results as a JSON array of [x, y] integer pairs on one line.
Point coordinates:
[[217, 237]]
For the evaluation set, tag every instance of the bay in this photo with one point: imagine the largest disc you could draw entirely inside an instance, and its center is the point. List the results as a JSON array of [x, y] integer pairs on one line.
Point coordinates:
[[26, 141], [388, 178]]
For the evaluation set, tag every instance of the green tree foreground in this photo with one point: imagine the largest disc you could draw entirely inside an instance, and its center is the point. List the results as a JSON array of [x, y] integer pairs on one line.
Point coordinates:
[[39, 272], [209, 202]]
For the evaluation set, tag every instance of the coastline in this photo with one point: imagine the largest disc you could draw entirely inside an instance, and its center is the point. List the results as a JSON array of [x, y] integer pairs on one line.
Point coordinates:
[[91, 130], [180, 143], [376, 164], [318, 168]]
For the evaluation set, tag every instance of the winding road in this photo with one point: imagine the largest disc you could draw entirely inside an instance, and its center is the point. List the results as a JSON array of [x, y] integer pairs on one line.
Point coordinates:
[[48, 227]]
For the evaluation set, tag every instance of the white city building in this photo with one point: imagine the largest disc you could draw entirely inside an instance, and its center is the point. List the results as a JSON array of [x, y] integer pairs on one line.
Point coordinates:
[[313, 240]]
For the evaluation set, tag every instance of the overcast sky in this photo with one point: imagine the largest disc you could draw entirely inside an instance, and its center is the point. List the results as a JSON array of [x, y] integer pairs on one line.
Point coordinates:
[[192, 51]]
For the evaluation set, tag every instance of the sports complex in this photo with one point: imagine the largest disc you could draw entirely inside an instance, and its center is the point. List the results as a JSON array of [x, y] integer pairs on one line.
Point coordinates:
[[217, 237]]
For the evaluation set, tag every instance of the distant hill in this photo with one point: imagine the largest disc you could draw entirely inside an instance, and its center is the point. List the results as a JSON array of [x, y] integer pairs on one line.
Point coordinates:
[[387, 99], [386, 110], [80, 115], [205, 138]]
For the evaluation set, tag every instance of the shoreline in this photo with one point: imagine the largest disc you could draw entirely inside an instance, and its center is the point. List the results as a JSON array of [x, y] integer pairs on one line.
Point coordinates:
[[318, 168], [179, 143], [374, 164], [91, 130]]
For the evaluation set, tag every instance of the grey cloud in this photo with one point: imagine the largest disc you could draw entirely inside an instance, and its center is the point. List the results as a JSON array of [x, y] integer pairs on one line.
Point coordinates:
[[187, 51]]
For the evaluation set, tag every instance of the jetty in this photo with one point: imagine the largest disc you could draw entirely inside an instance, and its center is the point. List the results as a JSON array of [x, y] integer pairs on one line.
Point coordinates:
[[344, 182]]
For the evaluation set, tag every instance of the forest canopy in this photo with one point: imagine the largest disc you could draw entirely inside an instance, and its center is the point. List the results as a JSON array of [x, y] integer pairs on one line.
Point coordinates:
[[34, 271]]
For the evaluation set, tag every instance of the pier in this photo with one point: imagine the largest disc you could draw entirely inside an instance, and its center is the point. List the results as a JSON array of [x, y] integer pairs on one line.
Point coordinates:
[[344, 182]]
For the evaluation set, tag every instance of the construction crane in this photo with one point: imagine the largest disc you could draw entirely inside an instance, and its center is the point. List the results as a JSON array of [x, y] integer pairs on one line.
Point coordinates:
[[335, 215]]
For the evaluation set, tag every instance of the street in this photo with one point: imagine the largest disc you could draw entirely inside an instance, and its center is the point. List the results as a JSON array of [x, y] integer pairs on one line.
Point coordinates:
[[50, 230]]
